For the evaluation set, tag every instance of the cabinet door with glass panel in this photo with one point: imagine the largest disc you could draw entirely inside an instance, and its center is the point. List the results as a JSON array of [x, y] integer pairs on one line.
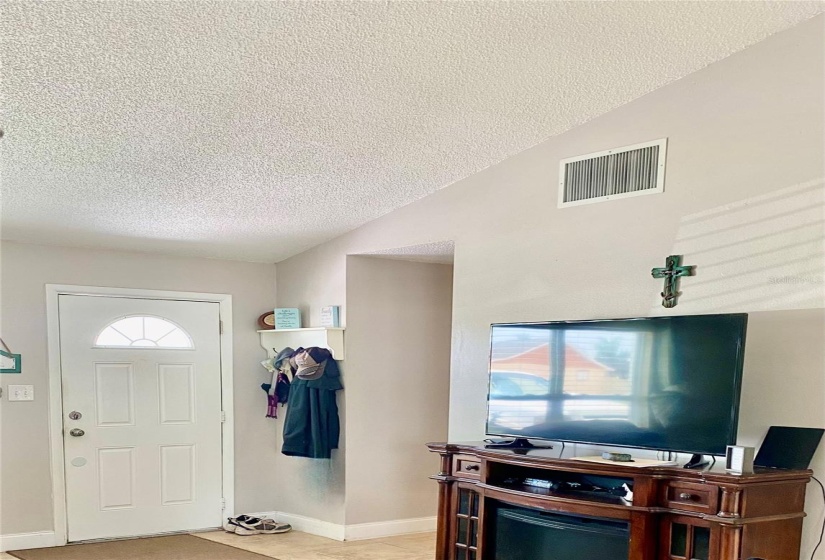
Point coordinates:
[[467, 506], [686, 538]]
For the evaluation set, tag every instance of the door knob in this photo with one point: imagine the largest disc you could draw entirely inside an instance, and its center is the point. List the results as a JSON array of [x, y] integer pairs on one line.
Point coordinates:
[[76, 432]]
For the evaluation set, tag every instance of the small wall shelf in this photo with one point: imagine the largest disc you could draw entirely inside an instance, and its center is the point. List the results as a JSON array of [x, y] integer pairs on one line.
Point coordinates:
[[332, 338]]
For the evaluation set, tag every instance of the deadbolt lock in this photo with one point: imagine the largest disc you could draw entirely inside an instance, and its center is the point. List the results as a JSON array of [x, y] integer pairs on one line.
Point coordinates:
[[75, 415]]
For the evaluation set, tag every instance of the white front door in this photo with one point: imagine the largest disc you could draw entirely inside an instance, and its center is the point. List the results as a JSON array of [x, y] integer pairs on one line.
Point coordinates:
[[141, 415]]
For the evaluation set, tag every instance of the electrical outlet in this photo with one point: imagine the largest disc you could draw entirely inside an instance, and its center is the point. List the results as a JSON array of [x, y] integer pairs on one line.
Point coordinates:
[[21, 392]]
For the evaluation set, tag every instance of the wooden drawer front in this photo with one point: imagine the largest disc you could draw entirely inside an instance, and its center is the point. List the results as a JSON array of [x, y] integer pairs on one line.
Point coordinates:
[[690, 496], [466, 466]]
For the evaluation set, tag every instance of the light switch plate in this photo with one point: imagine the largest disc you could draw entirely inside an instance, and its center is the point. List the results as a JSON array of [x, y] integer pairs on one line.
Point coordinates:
[[21, 392]]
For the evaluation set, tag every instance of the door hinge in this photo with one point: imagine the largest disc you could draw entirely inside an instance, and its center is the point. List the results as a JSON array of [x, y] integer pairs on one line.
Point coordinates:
[[223, 504], [223, 416], [220, 327]]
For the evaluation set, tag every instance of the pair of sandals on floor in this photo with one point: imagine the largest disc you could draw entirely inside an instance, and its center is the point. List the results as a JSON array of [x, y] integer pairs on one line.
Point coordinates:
[[248, 525]]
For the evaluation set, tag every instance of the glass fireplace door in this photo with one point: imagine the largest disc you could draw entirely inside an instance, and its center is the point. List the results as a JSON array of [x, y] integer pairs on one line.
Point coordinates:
[[526, 534]]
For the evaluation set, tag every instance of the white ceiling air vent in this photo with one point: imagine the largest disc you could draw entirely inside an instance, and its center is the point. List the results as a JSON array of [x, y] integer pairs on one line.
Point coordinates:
[[618, 173]]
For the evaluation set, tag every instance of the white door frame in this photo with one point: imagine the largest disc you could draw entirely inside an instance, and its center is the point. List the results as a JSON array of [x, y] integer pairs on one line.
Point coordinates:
[[56, 389]]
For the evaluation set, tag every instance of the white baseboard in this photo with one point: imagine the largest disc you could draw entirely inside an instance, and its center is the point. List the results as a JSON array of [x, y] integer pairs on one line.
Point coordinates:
[[25, 541], [380, 529], [307, 524], [355, 532]]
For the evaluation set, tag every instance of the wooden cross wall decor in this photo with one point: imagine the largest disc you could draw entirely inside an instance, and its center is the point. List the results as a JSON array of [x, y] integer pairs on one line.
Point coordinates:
[[671, 273]]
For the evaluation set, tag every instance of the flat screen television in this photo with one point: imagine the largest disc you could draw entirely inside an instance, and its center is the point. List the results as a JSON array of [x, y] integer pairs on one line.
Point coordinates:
[[664, 383]]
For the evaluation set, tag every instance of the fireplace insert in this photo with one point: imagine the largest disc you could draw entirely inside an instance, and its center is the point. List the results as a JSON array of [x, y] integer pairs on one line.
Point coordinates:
[[528, 534]]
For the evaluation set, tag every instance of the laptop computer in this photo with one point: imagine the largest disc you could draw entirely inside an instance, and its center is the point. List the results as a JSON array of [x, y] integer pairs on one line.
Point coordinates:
[[787, 447]]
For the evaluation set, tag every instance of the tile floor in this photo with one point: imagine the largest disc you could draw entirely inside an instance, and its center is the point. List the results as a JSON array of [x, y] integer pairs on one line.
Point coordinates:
[[303, 546]]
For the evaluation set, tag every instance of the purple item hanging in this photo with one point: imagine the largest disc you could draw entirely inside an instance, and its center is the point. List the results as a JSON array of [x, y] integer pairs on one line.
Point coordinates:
[[272, 409]]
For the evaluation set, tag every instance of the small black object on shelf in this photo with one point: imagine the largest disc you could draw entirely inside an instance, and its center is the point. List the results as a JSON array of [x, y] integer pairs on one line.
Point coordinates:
[[697, 461], [517, 443]]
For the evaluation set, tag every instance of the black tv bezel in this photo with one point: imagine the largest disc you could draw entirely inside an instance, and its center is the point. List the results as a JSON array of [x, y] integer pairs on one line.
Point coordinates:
[[733, 426]]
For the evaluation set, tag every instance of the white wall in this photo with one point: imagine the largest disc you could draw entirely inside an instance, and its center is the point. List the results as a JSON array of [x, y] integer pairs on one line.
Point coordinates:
[[398, 384], [25, 481], [743, 201]]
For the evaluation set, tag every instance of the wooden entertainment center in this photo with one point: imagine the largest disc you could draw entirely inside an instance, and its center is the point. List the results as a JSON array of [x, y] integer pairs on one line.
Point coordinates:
[[674, 514]]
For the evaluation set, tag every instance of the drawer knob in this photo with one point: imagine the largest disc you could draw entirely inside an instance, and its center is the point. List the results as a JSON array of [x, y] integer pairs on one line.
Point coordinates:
[[685, 496], [470, 467]]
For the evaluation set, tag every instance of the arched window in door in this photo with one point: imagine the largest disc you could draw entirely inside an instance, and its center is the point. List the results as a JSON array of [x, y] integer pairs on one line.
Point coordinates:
[[144, 331]]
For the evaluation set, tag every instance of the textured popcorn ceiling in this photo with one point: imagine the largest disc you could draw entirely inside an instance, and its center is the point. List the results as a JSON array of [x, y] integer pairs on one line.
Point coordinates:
[[255, 130], [440, 252]]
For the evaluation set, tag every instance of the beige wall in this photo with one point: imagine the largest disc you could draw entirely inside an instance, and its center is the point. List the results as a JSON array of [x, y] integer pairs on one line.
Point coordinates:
[[316, 488], [398, 383], [25, 482], [743, 201], [390, 308]]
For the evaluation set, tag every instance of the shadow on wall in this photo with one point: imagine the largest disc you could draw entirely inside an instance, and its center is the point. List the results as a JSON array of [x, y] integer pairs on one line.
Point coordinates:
[[770, 247], [767, 253]]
